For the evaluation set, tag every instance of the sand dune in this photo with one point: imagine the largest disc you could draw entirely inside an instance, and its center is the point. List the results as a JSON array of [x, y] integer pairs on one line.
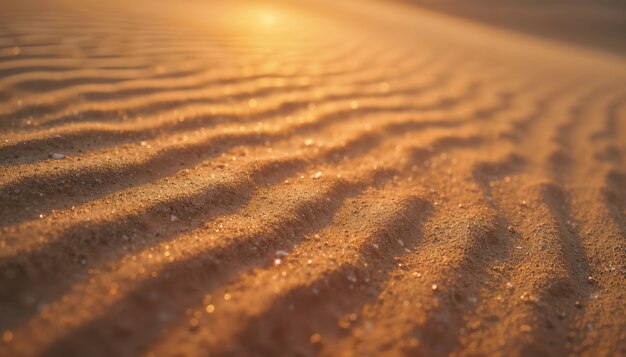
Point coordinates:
[[362, 178]]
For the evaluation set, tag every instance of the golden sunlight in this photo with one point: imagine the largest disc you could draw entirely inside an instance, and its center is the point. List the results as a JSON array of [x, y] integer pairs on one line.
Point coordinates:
[[267, 18]]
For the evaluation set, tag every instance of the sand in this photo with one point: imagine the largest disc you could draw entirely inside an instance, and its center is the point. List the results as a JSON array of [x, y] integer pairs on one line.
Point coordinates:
[[311, 178]]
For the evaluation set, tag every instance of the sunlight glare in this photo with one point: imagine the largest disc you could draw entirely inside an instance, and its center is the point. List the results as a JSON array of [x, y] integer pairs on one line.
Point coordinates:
[[267, 18]]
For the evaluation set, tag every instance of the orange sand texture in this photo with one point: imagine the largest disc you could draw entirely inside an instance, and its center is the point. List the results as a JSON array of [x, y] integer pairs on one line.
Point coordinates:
[[305, 178]]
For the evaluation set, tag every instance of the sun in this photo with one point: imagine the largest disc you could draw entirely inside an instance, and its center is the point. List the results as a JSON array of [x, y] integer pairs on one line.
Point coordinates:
[[267, 18]]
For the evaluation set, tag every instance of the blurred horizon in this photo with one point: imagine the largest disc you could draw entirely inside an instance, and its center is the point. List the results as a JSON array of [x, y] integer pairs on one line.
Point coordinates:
[[598, 24]]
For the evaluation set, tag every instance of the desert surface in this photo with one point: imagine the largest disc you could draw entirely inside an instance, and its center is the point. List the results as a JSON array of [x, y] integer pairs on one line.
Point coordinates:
[[296, 178]]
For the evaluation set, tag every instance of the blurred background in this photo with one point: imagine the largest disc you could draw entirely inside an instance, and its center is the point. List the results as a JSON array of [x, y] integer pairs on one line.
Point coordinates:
[[595, 23]]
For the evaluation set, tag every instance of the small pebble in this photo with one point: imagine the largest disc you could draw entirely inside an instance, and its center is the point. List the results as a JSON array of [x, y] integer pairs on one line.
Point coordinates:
[[315, 338], [578, 304], [173, 218], [7, 336], [281, 253], [343, 323], [525, 328], [57, 156]]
